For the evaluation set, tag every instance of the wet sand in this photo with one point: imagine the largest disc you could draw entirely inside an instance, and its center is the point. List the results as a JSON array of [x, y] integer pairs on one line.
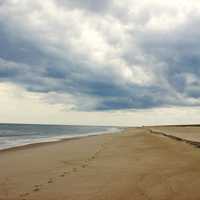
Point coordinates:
[[136, 164]]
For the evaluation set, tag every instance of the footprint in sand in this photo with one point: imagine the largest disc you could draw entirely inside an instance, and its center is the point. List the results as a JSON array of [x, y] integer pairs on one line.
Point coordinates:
[[37, 188], [74, 169], [24, 195], [86, 162], [84, 166], [62, 175], [50, 180]]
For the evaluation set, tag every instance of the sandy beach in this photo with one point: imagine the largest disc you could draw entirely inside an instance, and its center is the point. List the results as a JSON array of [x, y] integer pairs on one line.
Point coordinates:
[[133, 165], [188, 133]]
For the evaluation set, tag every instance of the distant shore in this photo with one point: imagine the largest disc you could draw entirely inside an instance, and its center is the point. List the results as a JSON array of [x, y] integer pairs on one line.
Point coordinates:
[[136, 164]]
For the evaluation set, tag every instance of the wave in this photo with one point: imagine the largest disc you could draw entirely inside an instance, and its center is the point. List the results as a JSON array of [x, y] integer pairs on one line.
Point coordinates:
[[10, 142]]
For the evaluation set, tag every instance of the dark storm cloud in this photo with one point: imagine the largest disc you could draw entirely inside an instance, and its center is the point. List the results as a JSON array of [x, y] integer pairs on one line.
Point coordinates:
[[179, 51], [113, 60]]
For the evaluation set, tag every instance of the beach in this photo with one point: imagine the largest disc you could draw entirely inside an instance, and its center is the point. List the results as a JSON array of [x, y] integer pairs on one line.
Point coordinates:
[[136, 164]]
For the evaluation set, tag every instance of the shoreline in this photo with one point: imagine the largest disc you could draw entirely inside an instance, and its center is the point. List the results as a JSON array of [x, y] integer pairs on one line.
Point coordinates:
[[37, 144]]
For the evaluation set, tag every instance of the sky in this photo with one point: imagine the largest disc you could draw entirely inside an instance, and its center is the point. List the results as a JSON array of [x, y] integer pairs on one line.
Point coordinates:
[[105, 62]]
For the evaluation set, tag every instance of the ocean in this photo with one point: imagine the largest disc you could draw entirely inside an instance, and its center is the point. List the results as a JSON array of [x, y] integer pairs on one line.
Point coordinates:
[[14, 135]]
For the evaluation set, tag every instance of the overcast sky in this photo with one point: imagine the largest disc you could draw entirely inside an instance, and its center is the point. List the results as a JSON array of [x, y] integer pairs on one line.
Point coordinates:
[[113, 62]]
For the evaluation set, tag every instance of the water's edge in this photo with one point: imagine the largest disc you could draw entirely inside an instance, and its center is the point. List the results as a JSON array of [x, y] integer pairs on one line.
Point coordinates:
[[61, 139]]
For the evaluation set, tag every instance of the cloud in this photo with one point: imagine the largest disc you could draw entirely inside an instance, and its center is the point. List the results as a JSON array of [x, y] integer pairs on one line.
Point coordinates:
[[90, 5], [103, 55]]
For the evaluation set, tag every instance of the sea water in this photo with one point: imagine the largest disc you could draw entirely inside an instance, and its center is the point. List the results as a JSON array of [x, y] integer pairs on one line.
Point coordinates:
[[13, 135]]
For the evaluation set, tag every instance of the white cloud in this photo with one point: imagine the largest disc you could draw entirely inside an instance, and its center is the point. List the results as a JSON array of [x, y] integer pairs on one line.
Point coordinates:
[[26, 107], [142, 50], [91, 39]]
